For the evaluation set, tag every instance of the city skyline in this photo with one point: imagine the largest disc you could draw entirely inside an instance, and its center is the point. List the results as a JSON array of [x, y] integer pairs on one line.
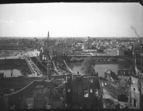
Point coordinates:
[[71, 19]]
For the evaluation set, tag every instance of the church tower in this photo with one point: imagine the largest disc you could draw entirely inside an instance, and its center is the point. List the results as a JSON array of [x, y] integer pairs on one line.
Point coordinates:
[[48, 40], [49, 62]]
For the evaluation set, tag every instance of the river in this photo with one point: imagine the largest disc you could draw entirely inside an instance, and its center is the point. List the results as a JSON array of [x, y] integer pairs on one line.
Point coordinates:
[[76, 66], [11, 73], [100, 68]]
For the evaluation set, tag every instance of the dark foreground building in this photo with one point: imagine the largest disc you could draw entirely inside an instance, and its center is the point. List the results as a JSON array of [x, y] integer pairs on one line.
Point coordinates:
[[75, 92], [36, 95]]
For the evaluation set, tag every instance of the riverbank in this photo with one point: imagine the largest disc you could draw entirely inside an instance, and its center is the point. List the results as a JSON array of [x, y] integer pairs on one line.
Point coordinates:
[[10, 64], [9, 54]]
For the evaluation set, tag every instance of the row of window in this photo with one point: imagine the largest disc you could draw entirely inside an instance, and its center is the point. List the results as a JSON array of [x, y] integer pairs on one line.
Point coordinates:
[[126, 72]]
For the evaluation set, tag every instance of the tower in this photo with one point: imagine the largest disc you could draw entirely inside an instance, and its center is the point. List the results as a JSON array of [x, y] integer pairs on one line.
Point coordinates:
[[88, 42], [48, 40]]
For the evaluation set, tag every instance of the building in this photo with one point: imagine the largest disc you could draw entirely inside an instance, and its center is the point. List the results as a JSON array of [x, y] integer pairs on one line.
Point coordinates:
[[120, 52], [11, 84], [112, 52], [126, 72], [87, 91], [134, 88], [36, 95], [139, 62], [134, 93], [141, 93]]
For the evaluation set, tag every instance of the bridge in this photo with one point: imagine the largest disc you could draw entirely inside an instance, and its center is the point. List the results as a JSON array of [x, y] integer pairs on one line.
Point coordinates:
[[34, 69], [74, 58], [56, 70]]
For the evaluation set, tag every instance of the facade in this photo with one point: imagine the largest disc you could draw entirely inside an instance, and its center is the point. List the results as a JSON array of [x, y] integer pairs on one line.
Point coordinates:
[[121, 52], [112, 52], [36, 95], [87, 92], [139, 62], [141, 94], [134, 93], [126, 72], [11, 84]]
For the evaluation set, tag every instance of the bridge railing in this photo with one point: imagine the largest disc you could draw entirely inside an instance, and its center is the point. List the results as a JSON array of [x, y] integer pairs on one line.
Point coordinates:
[[35, 67], [46, 68], [30, 62], [67, 67], [28, 65]]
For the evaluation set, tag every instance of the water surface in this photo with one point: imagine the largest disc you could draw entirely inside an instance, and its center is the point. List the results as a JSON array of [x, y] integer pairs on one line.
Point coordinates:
[[100, 68], [11, 73]]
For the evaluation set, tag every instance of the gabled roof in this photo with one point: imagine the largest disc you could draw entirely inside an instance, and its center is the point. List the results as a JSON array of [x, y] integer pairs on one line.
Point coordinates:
[[32, 86], [17, 82], [133, 80]]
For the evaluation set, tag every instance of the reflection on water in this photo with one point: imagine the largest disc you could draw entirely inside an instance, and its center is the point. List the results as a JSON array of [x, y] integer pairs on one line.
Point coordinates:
[[11, 73], [100, 68]]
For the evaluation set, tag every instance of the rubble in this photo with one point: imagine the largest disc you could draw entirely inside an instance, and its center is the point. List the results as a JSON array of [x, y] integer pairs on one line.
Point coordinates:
[[113, 93]]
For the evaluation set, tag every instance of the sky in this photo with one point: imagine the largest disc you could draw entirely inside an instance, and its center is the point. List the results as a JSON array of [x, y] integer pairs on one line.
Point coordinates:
[[71, 19]]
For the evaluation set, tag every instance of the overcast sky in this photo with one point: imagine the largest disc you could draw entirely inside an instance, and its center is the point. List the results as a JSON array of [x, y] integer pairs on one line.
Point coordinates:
[[71, 19]]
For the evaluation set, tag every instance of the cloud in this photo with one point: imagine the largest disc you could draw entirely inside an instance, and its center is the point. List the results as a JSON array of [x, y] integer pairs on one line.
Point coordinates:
[[7, 22], [31, 21], [12, 22], [3, 21]]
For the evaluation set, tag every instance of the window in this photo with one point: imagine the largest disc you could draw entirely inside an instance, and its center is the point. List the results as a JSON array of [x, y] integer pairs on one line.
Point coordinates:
[[124, 73], [86, 93], [129, 73], [68, 90], [132, 73], [90, 90], [134, 102], [30, 103], [96, 92]]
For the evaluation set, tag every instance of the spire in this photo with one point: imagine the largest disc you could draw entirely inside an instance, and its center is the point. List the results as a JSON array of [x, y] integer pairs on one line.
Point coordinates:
[[88, 42], [48, 40], [48, 33]]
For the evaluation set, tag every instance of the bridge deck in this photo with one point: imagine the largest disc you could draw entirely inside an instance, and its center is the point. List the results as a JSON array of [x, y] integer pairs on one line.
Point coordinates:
[[33, 67]]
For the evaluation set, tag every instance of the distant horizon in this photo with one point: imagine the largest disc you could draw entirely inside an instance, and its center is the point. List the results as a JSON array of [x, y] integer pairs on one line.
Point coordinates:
[[68, 37]]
